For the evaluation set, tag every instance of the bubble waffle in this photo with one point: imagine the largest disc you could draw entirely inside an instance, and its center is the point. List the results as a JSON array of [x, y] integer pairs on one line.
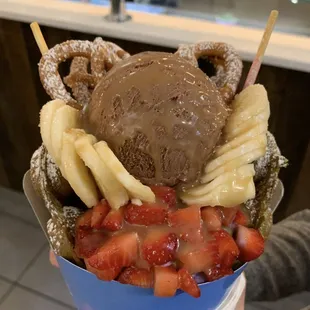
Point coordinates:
[[140, 234]]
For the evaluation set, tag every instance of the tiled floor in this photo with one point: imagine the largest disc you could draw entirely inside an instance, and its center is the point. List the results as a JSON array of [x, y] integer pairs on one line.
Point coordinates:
[[27, 280]]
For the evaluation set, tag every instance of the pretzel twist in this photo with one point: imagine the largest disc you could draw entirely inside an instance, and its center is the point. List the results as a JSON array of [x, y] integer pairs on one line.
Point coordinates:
[[228, 65], [102, 56]]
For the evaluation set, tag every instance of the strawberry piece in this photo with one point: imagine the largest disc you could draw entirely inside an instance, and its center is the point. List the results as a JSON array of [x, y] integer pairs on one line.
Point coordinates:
[[147, 214], [113, 221], [137, 276], [165, 194], [119, 251], [165, 281], [187, 222], [187, 283], [84, 221], [250, 243], [228, 249], [87, 242], [197, 258], [159, 247], [105, 274], [241, 218], [100, 211], [228, 214], [212, 218], [216, 273]]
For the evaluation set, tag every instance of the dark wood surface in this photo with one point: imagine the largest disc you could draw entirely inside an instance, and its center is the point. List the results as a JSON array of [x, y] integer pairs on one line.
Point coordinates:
[[22, 96]]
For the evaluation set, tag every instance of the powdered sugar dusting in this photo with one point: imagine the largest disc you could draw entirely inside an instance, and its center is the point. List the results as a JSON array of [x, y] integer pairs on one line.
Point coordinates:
[[187, 51], [104, 56], [52, 170], [228, 74], [56, 238], [57, 225], [266, 180], [263, 163], [100, 54], [43, 186], [71, 214], [48, 66], [35, 163], [80, 81], [59, 240]]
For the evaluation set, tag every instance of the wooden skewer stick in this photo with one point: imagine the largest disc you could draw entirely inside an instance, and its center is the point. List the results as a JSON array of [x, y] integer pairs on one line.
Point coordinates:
[[252, 75], [39, 37]]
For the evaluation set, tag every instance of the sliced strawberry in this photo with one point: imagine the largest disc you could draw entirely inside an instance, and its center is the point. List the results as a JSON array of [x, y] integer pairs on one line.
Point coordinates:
[[216, 273], [196, 258], [228, 214], [250, 242], [87, 242], [100, 211], [159, 248], [187, 223], [118, 251], [137, 276], [165, 194], [147, 214], [105, 274], [113, 221], [228, 248], [166, 281], [212, 218], [187, 283], [84, 221], [241, 218]]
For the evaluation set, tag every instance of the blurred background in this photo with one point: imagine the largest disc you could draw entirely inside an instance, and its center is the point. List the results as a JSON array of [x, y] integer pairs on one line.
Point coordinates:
[[294, 17], [22, 96]]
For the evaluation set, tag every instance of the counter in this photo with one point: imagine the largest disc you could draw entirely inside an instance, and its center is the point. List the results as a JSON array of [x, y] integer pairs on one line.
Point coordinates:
[[285, 50]]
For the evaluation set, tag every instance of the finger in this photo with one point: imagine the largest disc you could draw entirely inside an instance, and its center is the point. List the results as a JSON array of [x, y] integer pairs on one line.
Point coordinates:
[[53, 259]]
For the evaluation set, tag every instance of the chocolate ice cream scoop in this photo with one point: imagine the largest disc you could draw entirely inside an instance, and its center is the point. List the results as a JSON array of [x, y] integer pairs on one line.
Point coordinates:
[[160, 115]]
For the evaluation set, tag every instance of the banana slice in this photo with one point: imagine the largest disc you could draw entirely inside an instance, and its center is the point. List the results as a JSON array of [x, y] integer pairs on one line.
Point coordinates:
[[237, 162], [232, 131], [134, 187], [109, 186], [241, 172], [229, 175], [229, 194], [254, 95], [259, 142], [46, 118], [65, 118], [237, 120], [77, 174], [238, 141]]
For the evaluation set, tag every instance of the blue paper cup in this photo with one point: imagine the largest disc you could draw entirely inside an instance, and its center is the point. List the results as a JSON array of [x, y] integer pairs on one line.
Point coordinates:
[[90, 293]]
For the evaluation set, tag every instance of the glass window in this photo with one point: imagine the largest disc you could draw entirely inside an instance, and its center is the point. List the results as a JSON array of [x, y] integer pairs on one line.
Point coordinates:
[[293, 18]]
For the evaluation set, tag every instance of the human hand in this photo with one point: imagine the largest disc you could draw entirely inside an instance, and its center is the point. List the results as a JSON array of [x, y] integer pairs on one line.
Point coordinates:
[[53, 259]]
